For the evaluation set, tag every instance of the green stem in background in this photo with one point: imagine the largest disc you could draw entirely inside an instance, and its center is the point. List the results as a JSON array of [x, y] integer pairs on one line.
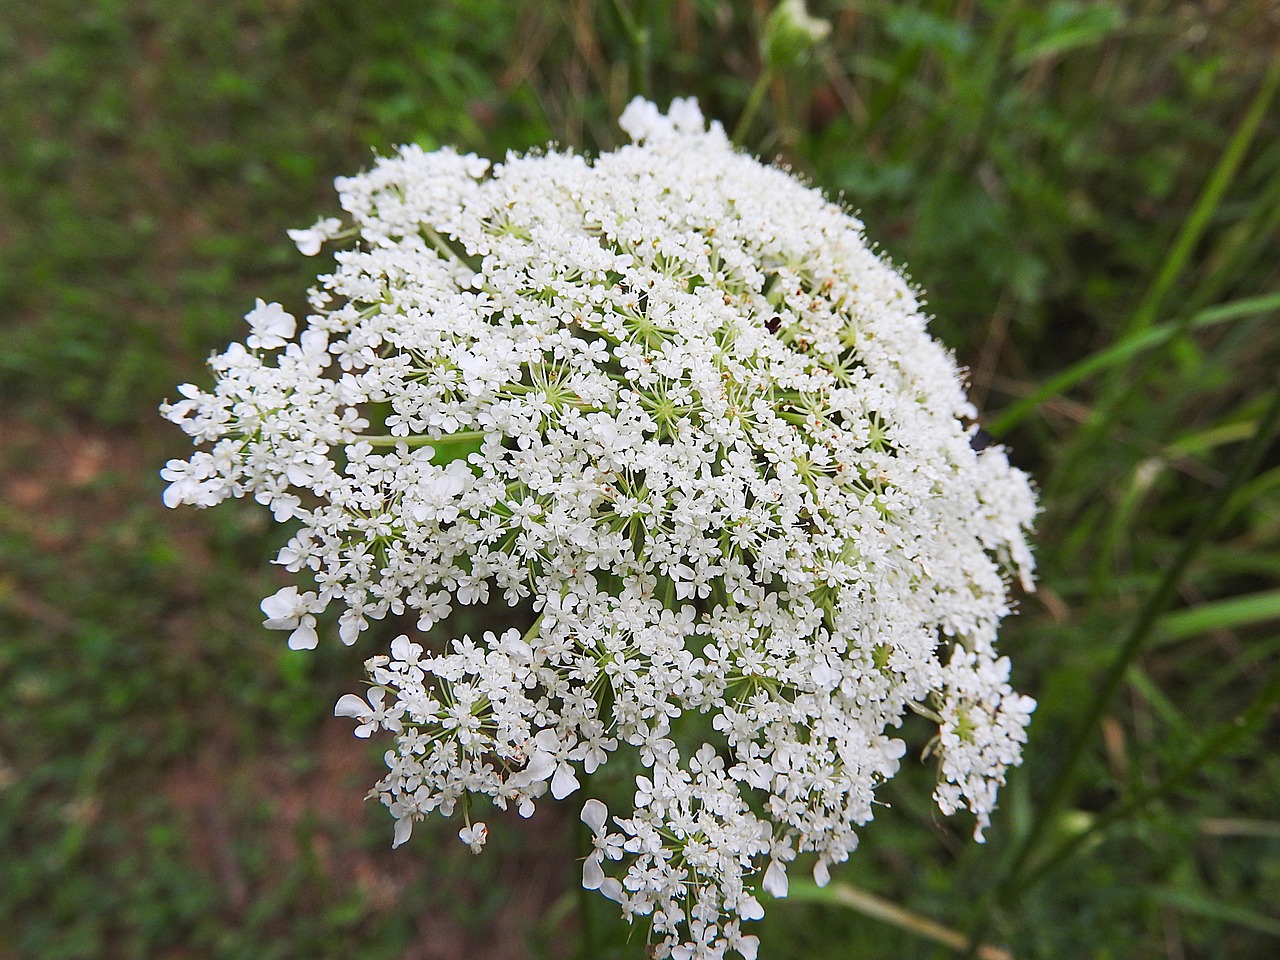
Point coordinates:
[[986, 63], [1012, 885], [1198, 220], [1248, 241], [1124, 350], [1119, 385], [886, 911], [641, 41], [754, 99], [1214, 745]]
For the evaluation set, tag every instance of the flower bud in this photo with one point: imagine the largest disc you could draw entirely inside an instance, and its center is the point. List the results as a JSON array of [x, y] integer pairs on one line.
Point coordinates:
[[791, 34]]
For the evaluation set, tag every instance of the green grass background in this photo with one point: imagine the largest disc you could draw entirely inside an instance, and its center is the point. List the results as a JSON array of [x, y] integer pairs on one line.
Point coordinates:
[[1088, 191]]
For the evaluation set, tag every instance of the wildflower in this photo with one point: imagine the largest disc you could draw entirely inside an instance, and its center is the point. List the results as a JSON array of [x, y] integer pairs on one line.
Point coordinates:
[[670, 401], [272, 327], [311, 240], [474, 836]]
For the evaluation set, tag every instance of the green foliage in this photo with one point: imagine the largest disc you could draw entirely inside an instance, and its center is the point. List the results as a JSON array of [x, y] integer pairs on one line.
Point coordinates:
[[1088, 191]]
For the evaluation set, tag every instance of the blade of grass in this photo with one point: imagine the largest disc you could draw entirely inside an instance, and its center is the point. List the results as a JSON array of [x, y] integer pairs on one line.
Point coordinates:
[[1008, 890], [1215, 910], [1228, 614], [1238, 558], [1239, 827], [1247, 241], [1203, 442], [1218, 742], [1252, 492], [1147, 620], [1125, 350], [1160, 703], [878, 908], [1215, 188], [1117, 385]]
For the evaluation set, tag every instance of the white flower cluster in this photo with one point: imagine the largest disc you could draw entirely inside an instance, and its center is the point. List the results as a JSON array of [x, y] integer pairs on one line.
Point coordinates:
[[668, 405]]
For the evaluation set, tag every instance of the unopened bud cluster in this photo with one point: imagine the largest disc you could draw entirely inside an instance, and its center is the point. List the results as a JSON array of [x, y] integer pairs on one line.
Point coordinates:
[[670, 408]]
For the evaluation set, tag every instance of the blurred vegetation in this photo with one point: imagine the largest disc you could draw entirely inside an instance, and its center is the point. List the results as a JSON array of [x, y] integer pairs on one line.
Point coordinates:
[[1088, 191]]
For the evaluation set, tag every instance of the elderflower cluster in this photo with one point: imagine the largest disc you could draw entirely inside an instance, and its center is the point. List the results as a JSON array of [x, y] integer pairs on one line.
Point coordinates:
[[667, 407]]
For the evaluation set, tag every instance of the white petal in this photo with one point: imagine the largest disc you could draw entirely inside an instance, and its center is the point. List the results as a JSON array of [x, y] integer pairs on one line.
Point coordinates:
[[540, 766], [592, 873], [308, 241], [775, 879], [821, 873], [593, 815], [564, 782], [349, 630], [547, 740], [475, 835], [404, 827], [349, 705], [304, 638], [281, 605]]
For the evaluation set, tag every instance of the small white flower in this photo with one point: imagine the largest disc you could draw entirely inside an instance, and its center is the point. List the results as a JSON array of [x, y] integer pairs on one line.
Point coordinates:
[[271, 326], [474, 836], [594, 813], [371, 713], [287, 609], [304, 636], [310, 241]]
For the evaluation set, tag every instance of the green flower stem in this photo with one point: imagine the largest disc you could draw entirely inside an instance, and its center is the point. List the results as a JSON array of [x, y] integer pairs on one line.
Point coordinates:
[[419, 440], [532, 633], [447, 250], [754, 99]]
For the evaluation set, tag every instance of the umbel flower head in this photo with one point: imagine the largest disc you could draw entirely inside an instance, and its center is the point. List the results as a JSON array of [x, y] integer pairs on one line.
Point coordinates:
[[667, 406]]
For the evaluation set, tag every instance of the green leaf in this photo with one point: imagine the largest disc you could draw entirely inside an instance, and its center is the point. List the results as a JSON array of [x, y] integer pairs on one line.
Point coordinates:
[[919, 28], [1215, 910], [1127, 348], [1069, 26], [1221, 615]]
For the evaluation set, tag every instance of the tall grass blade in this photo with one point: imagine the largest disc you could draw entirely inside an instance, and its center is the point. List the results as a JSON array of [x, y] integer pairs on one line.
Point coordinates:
[[1009, 889], [1215, 910], [1229, 614], [1125, 350], [878, 908], [1117, 387], [1220, 741]]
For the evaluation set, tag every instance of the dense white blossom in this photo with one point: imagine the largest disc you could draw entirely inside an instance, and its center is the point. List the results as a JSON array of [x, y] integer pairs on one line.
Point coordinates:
[[668, 406]]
